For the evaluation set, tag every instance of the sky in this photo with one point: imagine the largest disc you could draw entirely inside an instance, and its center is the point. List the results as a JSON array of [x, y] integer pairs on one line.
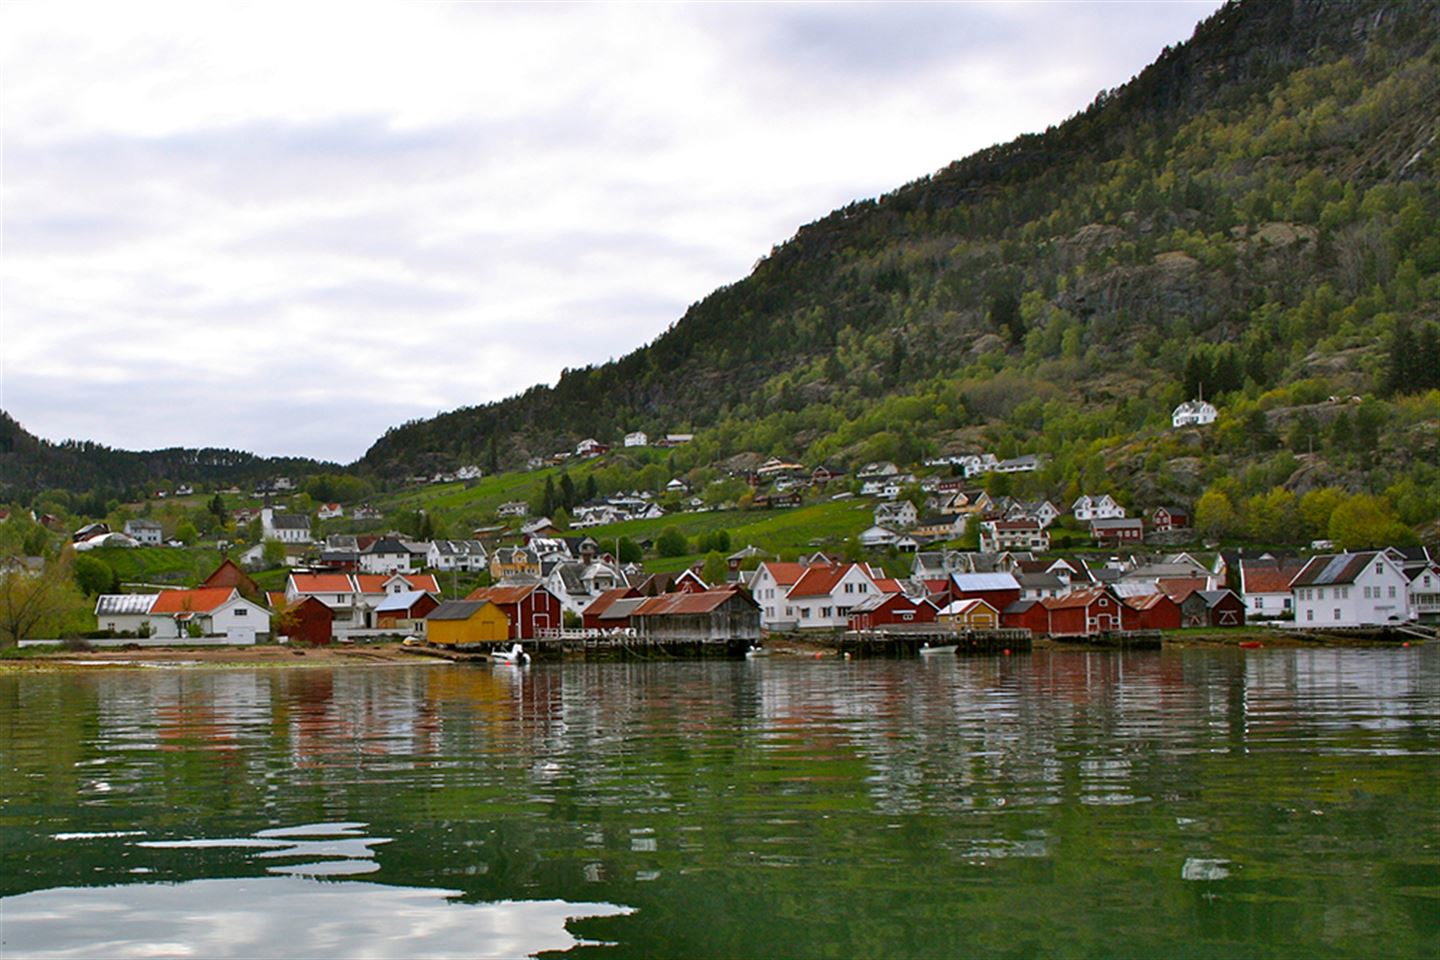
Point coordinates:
[[285, 227]]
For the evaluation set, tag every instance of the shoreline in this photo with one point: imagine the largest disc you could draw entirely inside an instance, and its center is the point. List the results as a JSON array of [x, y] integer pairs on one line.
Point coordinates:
[[392, 654]]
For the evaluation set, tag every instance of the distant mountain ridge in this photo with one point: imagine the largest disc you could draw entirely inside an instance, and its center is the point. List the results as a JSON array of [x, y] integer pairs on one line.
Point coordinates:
[[1080, 216], [29, 464]]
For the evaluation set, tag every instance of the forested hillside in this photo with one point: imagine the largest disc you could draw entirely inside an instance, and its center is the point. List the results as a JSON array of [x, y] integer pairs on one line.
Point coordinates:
[[29, 465], [1254, 217]]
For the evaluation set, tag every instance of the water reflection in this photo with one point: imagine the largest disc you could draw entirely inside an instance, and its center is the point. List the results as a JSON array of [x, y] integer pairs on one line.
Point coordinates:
[[771, 806], [284, 916]]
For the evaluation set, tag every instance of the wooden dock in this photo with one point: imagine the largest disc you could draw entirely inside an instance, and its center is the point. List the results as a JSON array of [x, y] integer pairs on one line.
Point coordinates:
[[1117, 639]]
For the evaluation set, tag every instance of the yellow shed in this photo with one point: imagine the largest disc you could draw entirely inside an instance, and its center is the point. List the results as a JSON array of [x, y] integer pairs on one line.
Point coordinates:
[[462, 622], [973, 614]]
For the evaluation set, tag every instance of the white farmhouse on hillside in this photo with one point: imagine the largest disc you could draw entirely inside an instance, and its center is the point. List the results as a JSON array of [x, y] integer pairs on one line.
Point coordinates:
[[637, 439], [1194, 413], [1351, 590]]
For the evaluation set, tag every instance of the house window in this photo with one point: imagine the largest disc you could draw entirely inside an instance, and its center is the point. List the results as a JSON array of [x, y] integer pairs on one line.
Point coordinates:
[[1379, 568], [826, 611], [1392, 593], [241, 612], [1320, 593], [1335, 614], [1309, 614], [804, 613]]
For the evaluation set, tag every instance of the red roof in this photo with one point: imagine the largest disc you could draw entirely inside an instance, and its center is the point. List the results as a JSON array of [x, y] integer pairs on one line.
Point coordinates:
[[820, 581], [1148, 600], [202, 600], [1077, 598], [603, 602], [1269, 578], [786, 574], [671, 604], [889, 586], [504, 595], [322, 583], [1178, 588]]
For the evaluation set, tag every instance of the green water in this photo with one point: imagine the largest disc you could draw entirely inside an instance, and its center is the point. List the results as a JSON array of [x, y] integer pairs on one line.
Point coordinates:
[[1177, 804]]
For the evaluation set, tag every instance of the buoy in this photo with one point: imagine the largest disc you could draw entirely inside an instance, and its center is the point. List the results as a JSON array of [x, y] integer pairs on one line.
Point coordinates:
[[1405, 644], [1007, 651]]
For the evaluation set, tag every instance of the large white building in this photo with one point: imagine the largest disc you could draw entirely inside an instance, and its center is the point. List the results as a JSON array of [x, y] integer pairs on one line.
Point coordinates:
[[285, 527], [1351, 590]]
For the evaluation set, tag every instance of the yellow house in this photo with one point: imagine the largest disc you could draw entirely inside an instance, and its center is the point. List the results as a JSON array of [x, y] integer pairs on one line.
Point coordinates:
[[458, 623], [507, 562], [975, 614]]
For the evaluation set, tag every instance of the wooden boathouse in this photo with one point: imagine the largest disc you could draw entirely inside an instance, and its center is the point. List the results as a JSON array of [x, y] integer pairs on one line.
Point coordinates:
[[714, 618]]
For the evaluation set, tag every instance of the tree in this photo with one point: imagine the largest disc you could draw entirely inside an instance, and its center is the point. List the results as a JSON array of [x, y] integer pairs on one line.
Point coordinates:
[[629, 551], [186, 533], [1215, 515], [217, 508], [1364, 520], [716, 569], [38, 605], [1316, 508], [94, 576], [672, 543], [273, 554]]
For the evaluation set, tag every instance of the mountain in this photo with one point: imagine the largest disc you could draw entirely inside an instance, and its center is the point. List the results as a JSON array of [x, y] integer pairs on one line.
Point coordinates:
[[1252, 218], [29, 465]]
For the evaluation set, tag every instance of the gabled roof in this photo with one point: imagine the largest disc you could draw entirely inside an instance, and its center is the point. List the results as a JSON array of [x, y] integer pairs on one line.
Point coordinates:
[[1212, 597], [290, 521], [456, 610], [1324, 570], [820, 581], [1078, 598], [400, 601], [785, 574], [118, 604], [202, 600], [322, 583], [1147, 600], [984, 581], [960, 607], [1178, 589], [505, 593], [602, 603], [700, 601]]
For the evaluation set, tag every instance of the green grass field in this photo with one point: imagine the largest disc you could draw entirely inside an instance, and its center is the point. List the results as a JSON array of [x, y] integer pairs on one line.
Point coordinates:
[[164, 566]]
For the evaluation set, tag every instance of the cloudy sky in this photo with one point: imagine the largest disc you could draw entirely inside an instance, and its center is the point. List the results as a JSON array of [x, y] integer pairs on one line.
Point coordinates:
[[284, 227]]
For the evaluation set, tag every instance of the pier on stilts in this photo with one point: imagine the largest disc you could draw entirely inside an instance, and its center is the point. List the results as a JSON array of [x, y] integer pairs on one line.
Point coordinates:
[[897, 641]]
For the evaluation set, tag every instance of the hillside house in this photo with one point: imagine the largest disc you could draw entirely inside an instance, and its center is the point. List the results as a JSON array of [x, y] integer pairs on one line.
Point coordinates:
[[147, 533], [1351, 590], [877, 470], [386, 555], [330, 511], [1165, 519], [898, 515], [1117, 532], [590, 447], [1193, 413], [512, 508], [1103, 507], [509, 563], [466, 556], [877, 536], [997, 536], [637, 439]]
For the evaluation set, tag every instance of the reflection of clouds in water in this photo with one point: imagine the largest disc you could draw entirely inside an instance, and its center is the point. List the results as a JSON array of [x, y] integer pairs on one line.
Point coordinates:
[[283, 916]]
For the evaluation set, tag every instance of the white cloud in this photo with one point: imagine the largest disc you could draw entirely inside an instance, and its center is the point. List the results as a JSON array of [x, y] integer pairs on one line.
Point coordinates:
[[232, 217]]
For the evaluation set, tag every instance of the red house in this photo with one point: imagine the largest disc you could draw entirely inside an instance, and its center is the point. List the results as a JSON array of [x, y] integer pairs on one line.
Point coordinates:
[[885, 609], [308, 621], [1157, 611], [531, 608], [1086, 613], [1170, 518], [997, 589], [1027, 614], [1117, 531]]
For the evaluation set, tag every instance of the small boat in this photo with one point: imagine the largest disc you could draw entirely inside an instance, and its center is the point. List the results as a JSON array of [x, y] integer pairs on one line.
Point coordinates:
[[756, 651], [926, 649], [514, 655], [1251, 644]]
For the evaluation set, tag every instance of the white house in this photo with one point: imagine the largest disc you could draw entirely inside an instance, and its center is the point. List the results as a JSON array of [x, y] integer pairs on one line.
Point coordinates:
[[1425, 590], [901, 513], [1194, 413], [1351, 590], [590, 447], [876, 470], [997, 536], [514, 508], [1265, 587], [330, 511], [465, 555], [145, 532], [823, 597], [877, 536], [637, 439], [470, 471], [386, 555], [167, 616], [1103, 507], [285, 527]]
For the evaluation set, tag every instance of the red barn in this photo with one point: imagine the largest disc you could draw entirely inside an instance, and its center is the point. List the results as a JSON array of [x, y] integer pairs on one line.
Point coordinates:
[[1085, 613], [1157, 611], [886, 609], [1171, 518], [308, 621], [531, 609]]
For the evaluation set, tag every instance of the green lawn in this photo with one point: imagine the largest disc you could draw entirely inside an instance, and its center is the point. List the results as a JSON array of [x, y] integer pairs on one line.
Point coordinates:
[[169, 566]]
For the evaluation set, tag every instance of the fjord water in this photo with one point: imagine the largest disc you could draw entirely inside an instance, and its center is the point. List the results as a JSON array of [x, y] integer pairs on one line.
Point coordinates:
[[1275, 803]]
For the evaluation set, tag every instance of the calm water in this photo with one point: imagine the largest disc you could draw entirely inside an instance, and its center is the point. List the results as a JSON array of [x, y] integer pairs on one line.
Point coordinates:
[[1179, 804]]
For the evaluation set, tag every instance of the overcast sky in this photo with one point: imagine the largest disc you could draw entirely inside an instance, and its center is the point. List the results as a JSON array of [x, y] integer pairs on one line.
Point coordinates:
[[284, 227]]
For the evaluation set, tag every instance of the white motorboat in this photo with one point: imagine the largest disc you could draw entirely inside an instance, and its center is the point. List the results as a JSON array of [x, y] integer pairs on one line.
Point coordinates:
[[514, 655], [927, 649]]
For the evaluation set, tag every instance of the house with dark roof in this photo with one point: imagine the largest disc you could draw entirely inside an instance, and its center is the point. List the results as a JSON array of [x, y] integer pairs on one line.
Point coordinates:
[[1351, 590], [727, 617]]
